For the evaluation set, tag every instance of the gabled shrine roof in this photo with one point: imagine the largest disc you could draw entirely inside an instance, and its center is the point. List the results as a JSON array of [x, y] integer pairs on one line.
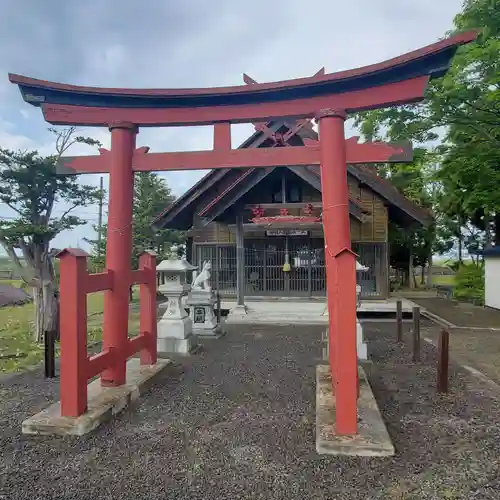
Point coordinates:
[[179, 215]]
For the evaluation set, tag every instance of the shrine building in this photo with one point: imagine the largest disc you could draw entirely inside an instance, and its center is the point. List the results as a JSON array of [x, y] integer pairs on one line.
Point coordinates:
[[273, 216]]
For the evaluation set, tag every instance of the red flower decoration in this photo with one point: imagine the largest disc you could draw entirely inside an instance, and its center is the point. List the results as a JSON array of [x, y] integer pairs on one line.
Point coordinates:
[[308, 209], [258, 211], [283, 211]]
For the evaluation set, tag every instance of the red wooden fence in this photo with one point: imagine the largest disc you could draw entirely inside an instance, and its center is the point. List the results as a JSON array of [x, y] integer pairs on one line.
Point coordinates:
[[76, 366]]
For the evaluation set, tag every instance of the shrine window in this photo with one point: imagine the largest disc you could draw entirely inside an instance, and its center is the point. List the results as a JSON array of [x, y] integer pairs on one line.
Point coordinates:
[[294, 194], [277, 197]]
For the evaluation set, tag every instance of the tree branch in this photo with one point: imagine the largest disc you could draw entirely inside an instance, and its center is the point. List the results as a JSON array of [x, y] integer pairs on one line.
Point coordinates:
[[64, 214], [15, 259]]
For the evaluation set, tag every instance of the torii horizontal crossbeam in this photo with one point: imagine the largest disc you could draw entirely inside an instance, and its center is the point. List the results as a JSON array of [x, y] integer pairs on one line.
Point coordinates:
[[393, 94], [369, 152], [396, 81]]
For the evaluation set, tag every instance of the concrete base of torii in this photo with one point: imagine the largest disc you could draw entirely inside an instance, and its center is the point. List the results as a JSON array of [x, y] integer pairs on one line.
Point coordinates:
[[372, 439]]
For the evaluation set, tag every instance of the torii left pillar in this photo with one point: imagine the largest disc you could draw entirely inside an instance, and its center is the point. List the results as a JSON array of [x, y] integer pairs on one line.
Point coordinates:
[[119, 248], [340, 270]]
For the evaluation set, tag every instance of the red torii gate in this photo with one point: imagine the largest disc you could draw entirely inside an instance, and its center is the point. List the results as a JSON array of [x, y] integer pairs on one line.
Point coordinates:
[[328, 97]]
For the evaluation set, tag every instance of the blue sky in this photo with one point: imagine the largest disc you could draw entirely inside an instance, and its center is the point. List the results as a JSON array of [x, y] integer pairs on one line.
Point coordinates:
[[191, 43]]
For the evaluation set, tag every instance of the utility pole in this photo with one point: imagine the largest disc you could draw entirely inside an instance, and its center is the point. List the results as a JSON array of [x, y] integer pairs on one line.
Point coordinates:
[[99, 221]]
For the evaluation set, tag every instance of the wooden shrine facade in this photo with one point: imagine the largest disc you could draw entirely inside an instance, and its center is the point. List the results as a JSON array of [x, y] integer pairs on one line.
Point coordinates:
[[282, 251]]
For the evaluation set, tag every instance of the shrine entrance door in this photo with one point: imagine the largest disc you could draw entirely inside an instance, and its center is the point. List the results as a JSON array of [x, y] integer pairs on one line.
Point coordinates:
[[267, 272]]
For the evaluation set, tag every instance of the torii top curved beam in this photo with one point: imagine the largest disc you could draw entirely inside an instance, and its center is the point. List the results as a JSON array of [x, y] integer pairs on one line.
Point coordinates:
[[397, 80]]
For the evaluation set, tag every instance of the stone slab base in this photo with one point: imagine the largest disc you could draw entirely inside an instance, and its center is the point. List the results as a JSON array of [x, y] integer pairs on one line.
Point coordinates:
[[173, 345], [103, 403], [238, 310], [360, 345], [372, 439], [215, 333]]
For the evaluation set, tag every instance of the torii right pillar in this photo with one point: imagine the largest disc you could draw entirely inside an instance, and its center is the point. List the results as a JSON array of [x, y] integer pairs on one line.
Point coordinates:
[[340, 270]]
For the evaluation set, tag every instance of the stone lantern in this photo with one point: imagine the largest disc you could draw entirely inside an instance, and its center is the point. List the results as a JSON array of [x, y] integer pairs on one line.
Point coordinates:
[[175, 329]]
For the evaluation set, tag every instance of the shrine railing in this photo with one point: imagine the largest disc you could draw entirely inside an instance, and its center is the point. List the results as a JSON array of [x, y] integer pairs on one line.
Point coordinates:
[[76, 366]]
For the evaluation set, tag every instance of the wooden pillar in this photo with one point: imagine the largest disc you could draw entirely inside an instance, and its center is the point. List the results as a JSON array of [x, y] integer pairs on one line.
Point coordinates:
[[340, 269], [411, 271], [119, 249], [73, 328], [240, 262], [147, 309]]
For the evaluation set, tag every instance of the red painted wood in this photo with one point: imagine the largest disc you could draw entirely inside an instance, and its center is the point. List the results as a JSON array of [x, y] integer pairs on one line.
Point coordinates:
[[136, 344], [437, 47], [299, 124], [119, 250], [404, 92], [340, 269], [293, 220], [99, 281], [139, 276], [147, 313], [99, 362], [73, 328], [375, 152], [222, 136]]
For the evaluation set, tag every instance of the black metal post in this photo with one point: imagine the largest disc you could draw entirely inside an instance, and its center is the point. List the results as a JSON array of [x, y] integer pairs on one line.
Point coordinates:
[[416, 334], [50, 354], [218, 307], [399, 320], [443, 361]]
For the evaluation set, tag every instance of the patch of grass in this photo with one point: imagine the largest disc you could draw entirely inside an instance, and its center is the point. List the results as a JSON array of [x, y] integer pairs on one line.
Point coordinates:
[[445, 279], [14, 282], [17, 348]]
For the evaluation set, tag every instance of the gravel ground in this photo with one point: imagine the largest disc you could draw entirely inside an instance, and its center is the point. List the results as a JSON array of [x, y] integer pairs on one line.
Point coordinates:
[[11, 295], [237, 421], [460, 313], [477, 348]]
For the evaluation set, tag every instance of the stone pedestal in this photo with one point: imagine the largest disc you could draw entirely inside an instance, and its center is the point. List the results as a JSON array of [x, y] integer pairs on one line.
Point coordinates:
[[239, 310], [360, 344], [175, 329], [201, 312]]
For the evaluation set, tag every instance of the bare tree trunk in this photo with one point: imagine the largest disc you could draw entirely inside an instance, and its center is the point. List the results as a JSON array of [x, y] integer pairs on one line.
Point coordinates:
[[487, 230], [460, 249], [428, 283], [422, 275], [496, 223], [46, 302], [412, 282]]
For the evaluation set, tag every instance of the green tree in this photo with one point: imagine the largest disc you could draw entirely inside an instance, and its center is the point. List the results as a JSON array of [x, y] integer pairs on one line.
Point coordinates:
[[462, 112], [31, 188], [151, 196]]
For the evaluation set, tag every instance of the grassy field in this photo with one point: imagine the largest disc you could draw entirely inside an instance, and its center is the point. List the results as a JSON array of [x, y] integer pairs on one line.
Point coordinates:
[[17, 349], [16, 283], [446, 279]]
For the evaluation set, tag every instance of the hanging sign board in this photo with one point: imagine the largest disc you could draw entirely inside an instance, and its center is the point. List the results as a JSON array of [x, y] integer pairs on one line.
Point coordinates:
[[287, 232]]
